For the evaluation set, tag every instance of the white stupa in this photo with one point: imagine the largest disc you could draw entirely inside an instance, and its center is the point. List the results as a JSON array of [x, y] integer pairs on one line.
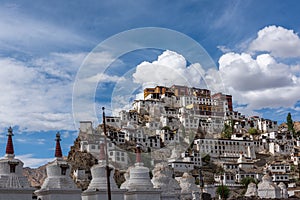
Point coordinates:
[[188, 186], [283, 190], [13, 185], [268, 189], [124, 185], [58, 185], [139, 184], [251, 190], [162, 179], [97, 189]]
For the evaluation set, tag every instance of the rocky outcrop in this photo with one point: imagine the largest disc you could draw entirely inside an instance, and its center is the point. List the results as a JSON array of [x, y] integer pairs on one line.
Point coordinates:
[[81, 160], [35, 176], [296, 126]]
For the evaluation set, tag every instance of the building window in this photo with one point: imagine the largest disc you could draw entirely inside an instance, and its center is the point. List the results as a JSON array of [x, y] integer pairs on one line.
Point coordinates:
[[64, 169]]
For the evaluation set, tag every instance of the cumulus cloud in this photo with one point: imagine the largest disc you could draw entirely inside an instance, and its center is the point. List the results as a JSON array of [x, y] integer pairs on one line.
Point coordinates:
[[170, 68], [261, 80], [244, 73], [37, 94], [280, 42]]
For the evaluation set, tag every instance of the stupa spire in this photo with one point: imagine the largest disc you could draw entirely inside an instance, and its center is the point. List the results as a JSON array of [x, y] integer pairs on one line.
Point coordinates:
[[138, 154], [102, 152], [9, 146], [58, 152]]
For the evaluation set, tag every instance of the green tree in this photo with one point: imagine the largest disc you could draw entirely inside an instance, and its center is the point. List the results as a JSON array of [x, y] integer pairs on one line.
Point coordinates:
[[290, 123], [206, 158], [247, 180], [223, 191], [253, 131], [227, 131]]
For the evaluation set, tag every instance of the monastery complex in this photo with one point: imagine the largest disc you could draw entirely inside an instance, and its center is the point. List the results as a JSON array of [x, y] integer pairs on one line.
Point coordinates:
[[177, 143]]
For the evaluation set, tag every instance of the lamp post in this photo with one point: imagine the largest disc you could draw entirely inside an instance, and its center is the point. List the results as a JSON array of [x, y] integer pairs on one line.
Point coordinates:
[[106, 157], [222, 187], [201, 183]]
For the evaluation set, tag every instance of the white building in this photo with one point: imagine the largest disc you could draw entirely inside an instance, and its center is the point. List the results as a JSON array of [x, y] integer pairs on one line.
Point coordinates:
[[181, 166], [279, 171], [137, 136], [91, 139], [279, 142], [168, 136], [115, 154], [279, 167], [170, 121], [130, 116], [194, 157], [295, 155], [113, 121], [225, 148]]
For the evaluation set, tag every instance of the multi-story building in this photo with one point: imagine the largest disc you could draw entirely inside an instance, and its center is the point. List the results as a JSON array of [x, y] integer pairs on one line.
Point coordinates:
[[280, 171], [168, 136], [278, 167], [295, 155], [223, 103], [137, 136], [91, 139], [194, 157], [130, 116], [143, 106], [155, 93], [225, 148], [279, 142], [113, 121]]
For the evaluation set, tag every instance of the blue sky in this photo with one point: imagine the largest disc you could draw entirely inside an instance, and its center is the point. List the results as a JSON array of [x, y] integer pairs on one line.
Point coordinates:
[[254, 44]]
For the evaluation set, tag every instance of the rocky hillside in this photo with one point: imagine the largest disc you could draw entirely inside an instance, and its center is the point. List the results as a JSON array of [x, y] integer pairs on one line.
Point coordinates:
[[36, 176], [296, 126], [81, 160]]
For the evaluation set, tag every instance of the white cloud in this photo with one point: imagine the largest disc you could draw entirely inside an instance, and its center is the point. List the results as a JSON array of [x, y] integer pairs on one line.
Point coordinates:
[[280, 42], [31, 161], [170, 68], [244, 73], [104, 78], [66, 134], [41, 141], [37, 94], [261, 80], [224, 49]]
